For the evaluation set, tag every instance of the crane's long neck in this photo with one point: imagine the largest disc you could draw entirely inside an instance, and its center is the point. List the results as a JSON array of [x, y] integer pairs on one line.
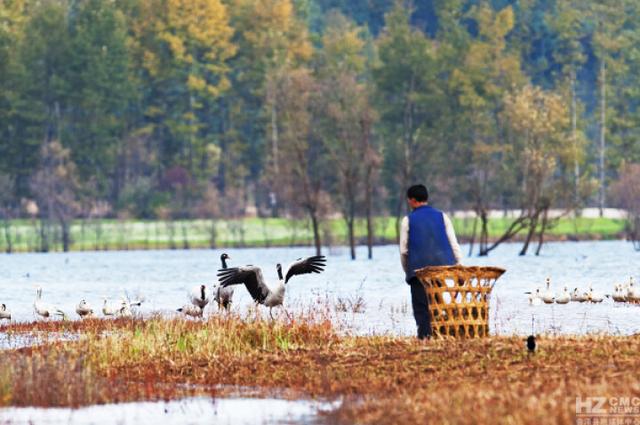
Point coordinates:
[[202, 294], [224, 262], [279, 268]]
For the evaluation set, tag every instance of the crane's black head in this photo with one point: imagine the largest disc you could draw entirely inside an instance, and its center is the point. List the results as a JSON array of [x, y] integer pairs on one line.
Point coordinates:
[[279, 268], [531, 343], [224, 257]]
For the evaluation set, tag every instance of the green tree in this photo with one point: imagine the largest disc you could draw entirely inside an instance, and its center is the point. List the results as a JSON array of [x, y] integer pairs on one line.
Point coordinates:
[[272, 39], [181, 50], [568, 20], [101, 95], [346, 115], [40, 93], [407, 98]]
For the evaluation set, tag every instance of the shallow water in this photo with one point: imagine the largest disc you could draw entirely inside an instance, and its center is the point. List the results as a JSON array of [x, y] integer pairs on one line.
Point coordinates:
[[164, 277], [241, 411], [29, 339]]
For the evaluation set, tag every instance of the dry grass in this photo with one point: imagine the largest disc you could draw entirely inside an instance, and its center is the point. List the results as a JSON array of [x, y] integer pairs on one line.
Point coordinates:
[[383, 379]]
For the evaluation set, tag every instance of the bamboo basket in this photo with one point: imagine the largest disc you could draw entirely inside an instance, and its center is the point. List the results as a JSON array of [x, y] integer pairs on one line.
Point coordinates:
[[459, 299]]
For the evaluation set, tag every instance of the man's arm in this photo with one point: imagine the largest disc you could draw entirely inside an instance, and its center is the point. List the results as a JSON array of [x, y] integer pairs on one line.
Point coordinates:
[[453, 241], [404, 243]]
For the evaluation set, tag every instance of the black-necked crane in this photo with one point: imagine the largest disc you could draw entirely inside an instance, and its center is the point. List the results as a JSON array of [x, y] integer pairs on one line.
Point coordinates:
[[252, 278]]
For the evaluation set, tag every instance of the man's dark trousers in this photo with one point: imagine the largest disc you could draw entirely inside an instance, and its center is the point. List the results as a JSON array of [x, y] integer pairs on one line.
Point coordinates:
[[420, 306]]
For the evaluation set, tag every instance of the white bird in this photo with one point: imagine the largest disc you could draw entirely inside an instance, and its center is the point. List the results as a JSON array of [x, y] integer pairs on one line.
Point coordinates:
[[223, 296], [578, 296], [191, 310], [4, 313], [548, 296], [564, 297], [594, 297], [110, 309], [633, 292], [46, 310], [534, 297], [619, 293], [84, 310], [252, 278], [125, 308], [137, 303], [199, 296]]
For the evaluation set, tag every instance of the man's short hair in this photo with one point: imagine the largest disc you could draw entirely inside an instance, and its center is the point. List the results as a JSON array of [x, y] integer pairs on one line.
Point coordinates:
[[418, 192]]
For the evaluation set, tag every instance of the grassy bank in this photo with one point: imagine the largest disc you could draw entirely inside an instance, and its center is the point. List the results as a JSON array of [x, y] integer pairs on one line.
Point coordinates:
[[383, 379], [255, 232]]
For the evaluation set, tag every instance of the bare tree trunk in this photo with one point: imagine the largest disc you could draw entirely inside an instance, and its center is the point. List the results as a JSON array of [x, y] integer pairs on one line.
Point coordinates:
[[83, 229], [44, 235], [543, 228], [635, 233], [98, 234], [6, 224], [473, 234], [601, 151], [518, 224], [398, 217], [407, 143], [316, 232], [484, 234], [369, 224], [212, 234], [66, 237], [274, 147], [170, 225], [574, 137], [352, 239], [532, 228], [185, 234]]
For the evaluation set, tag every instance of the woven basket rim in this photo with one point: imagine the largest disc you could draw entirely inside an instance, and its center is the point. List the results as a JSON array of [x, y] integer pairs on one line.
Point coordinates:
[[437, 271]]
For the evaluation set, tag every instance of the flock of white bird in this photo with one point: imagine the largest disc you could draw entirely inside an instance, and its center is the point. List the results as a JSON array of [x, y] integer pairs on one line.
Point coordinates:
[[199, 296], [622, 292], [44, 310]]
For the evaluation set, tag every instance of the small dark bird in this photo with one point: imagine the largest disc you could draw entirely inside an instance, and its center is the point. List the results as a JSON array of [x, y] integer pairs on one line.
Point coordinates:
[[531, 343]]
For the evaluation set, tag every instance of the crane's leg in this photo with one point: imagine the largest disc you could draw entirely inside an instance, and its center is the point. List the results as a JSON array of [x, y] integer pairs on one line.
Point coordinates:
[[289, 316], [271, 312]]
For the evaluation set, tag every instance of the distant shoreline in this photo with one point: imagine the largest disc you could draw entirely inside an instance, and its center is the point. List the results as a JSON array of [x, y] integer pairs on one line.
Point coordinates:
[[126, 235]]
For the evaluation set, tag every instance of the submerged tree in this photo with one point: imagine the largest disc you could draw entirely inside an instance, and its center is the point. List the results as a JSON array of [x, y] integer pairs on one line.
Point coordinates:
[[627, 193], [345, 120], [301, 177], [55, 186], [538, 126], [406, 80]]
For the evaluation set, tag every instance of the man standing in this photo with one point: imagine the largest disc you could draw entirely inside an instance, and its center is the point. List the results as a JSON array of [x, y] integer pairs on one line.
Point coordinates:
[[427, 238]]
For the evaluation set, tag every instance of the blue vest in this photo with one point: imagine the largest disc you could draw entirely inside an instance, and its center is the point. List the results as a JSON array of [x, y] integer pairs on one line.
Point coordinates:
[[428, 241]]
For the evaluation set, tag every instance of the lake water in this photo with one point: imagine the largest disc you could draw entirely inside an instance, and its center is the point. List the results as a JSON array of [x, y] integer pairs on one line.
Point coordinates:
[[224, 411], [164, 277]]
